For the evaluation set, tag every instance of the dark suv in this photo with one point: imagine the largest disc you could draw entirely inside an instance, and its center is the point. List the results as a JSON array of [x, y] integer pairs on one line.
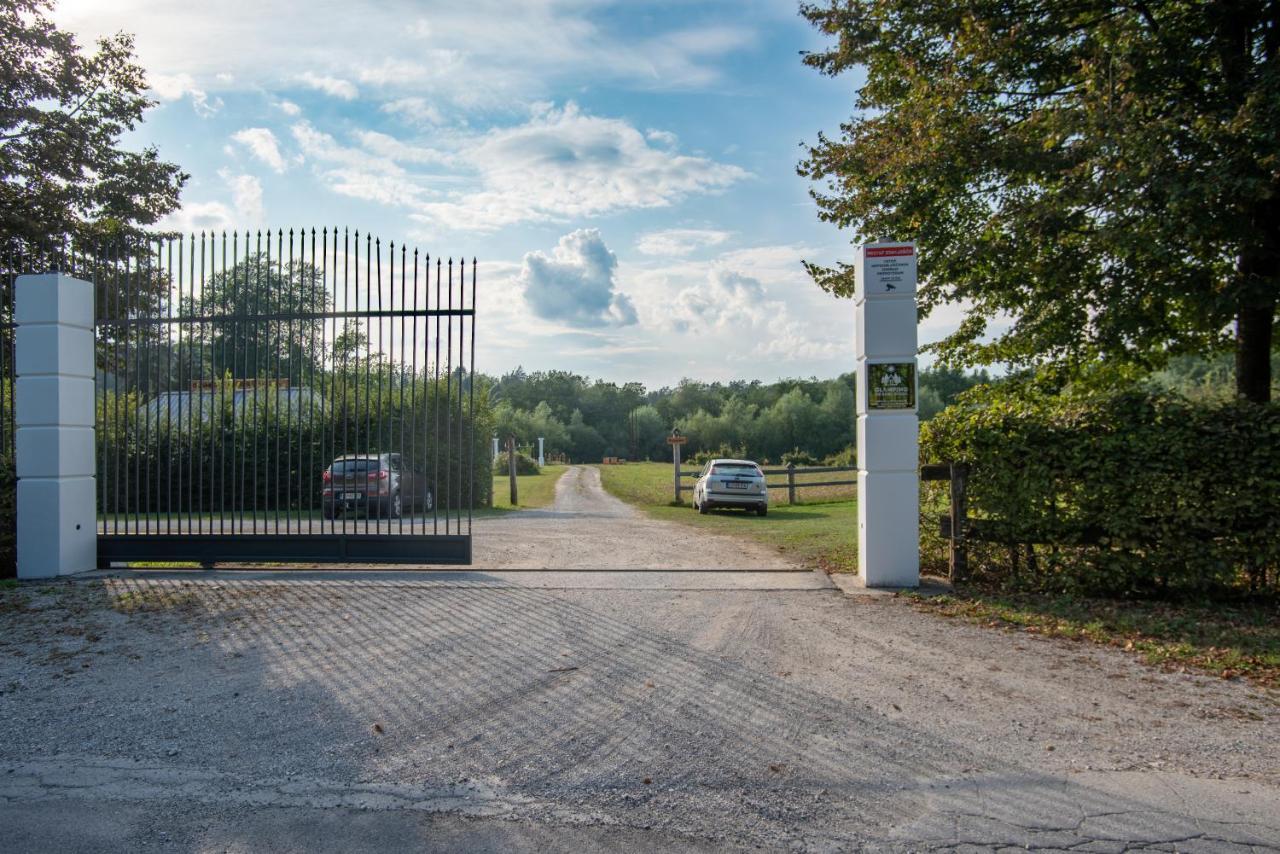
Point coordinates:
[[378, 485]]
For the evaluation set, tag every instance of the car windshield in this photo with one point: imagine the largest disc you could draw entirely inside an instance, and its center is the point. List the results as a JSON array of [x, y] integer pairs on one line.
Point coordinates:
[[734, 468], [350, 467]]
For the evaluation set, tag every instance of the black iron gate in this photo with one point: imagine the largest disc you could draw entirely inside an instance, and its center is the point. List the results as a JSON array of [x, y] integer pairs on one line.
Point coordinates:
[[285, 396]]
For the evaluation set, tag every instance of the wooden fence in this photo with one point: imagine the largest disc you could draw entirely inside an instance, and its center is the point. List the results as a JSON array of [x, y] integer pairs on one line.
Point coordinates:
[[790, 484]]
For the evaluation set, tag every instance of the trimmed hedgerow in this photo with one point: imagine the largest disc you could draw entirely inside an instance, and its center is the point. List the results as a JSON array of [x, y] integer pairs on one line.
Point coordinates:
[[1134, 492]]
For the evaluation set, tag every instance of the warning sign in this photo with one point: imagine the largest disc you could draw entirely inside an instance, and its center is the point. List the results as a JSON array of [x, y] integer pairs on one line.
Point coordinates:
[[891, 385], [887, 271]]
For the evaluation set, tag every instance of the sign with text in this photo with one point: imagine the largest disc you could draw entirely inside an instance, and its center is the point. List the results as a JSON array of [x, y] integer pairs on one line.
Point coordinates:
[[891, 385], [886, 270], [677, 440]]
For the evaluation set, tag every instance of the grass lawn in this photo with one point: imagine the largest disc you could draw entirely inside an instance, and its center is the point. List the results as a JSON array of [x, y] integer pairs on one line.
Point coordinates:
[[1224, 639], [823, 533], [533, 490]]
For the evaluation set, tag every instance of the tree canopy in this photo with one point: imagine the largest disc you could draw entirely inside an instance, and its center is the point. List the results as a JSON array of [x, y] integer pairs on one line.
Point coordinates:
[[1095, 181], [63, 170]]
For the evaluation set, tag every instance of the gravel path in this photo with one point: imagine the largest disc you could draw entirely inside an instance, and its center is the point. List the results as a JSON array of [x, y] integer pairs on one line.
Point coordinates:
[[586, 528], [495, 710]]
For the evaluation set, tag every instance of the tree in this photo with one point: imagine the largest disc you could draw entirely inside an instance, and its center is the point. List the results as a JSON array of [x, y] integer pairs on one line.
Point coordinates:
[[1104, 173], [281, 349], [63, 172]]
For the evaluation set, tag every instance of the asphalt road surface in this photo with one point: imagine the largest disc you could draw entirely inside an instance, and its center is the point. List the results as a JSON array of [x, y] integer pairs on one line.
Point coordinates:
[[568, 711]]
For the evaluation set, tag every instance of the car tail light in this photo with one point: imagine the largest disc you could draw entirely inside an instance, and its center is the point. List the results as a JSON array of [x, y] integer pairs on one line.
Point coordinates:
[[327, 477], [378, 475], [715, 470]]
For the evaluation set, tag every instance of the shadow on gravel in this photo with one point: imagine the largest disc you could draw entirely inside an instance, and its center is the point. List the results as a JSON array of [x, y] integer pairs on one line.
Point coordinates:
[[573, 715]]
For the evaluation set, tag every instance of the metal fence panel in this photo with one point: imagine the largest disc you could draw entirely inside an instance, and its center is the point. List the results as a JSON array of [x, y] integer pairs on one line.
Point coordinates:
[[238, 375]]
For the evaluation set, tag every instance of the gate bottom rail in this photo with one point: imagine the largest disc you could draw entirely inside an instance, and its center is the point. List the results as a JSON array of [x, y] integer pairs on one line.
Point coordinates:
[[285, 548]]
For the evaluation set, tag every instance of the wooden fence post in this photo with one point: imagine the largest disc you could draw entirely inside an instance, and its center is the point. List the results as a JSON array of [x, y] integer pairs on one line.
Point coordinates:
[[791, 482], [959, 521], [675, 457], [511, 468]]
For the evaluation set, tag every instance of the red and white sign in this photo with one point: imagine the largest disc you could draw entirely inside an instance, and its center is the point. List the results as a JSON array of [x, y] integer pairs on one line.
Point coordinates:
[[885, 271]]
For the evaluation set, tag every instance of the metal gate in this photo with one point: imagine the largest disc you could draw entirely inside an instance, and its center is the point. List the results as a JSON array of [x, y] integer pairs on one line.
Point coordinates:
[[284, 396]]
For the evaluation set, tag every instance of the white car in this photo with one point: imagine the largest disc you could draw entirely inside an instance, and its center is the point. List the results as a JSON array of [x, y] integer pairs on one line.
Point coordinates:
[[731, 483]]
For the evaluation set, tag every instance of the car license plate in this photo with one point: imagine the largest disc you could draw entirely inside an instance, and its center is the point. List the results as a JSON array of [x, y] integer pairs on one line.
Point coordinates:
[[349, 496], [736, 484]]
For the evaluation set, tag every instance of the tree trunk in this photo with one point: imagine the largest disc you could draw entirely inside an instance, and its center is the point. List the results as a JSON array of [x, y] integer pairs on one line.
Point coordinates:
[[1254, 325]]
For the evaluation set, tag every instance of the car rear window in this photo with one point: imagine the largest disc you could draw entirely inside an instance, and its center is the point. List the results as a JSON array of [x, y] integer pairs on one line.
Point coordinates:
[[734, 468], [347, 467]]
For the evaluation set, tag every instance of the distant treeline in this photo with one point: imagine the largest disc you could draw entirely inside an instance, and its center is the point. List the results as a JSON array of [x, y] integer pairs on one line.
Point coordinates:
[[807, 420]]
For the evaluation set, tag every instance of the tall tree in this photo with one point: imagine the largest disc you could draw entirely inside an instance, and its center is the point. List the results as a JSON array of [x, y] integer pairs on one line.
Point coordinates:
[[63, 170], [1106, 174]]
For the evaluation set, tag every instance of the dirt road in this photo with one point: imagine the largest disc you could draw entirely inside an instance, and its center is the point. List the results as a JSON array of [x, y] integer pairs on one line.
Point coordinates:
[[494, 710], [586, 528]]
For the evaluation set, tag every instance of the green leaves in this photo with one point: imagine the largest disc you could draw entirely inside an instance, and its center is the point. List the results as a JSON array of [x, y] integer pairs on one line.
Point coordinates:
[[62, 114], [1094, 182]]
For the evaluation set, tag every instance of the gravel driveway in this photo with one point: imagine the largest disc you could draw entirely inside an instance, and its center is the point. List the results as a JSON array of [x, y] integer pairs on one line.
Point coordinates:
[[496, 710]]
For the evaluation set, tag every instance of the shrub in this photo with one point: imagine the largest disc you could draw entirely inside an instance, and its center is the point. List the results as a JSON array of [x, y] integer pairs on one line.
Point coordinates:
[[1132, 492], [799, 457], [525, 464], [847, 457]]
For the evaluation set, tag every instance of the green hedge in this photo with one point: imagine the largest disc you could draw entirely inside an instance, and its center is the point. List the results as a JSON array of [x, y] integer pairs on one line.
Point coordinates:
[[269, 457], [1134, 493]]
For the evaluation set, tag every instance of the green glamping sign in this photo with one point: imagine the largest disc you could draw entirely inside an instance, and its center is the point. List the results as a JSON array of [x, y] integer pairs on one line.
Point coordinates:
[[891, 385]]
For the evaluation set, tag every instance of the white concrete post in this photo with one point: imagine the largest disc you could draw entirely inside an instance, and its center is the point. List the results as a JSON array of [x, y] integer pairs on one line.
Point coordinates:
[[541, 461], [888, 426], [495, 449], [54, 438]]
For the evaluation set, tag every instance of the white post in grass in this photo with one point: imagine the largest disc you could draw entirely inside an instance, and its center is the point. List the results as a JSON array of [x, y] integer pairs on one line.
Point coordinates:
[[541, 461], [495, 449], [888, 426], [54, 435]]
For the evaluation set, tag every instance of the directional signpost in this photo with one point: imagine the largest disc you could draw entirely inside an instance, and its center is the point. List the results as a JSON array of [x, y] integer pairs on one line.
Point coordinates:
[[888, 427]]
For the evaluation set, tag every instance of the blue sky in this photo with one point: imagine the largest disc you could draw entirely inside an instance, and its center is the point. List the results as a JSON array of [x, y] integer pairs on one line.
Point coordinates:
[[624, 171]]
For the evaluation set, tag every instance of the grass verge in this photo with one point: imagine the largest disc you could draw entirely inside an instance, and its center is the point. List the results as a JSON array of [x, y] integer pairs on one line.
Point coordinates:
[[1240, 639], [822, 533], [533, 490]]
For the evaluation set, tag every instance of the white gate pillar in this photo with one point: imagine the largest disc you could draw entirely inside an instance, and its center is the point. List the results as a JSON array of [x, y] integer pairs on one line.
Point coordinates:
[[541, 461], [888, 426], [54, 436]]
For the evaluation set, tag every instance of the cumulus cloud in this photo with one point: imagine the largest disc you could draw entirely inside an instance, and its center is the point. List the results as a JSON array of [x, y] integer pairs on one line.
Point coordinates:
[[262, 144], [726, 298], [575, 284], [173, 87], [335, 86], [679, 241], [244, 211]]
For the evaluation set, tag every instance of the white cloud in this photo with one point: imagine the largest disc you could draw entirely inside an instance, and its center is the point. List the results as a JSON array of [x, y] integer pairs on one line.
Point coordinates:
[[726, 298], [288, 107], [335, 86], [244, 211], [559, 165], [262, 144], [491, 52], [679, 241], [415, 109], [564, 164], [756, 303], [576, 283], [173, 87]]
